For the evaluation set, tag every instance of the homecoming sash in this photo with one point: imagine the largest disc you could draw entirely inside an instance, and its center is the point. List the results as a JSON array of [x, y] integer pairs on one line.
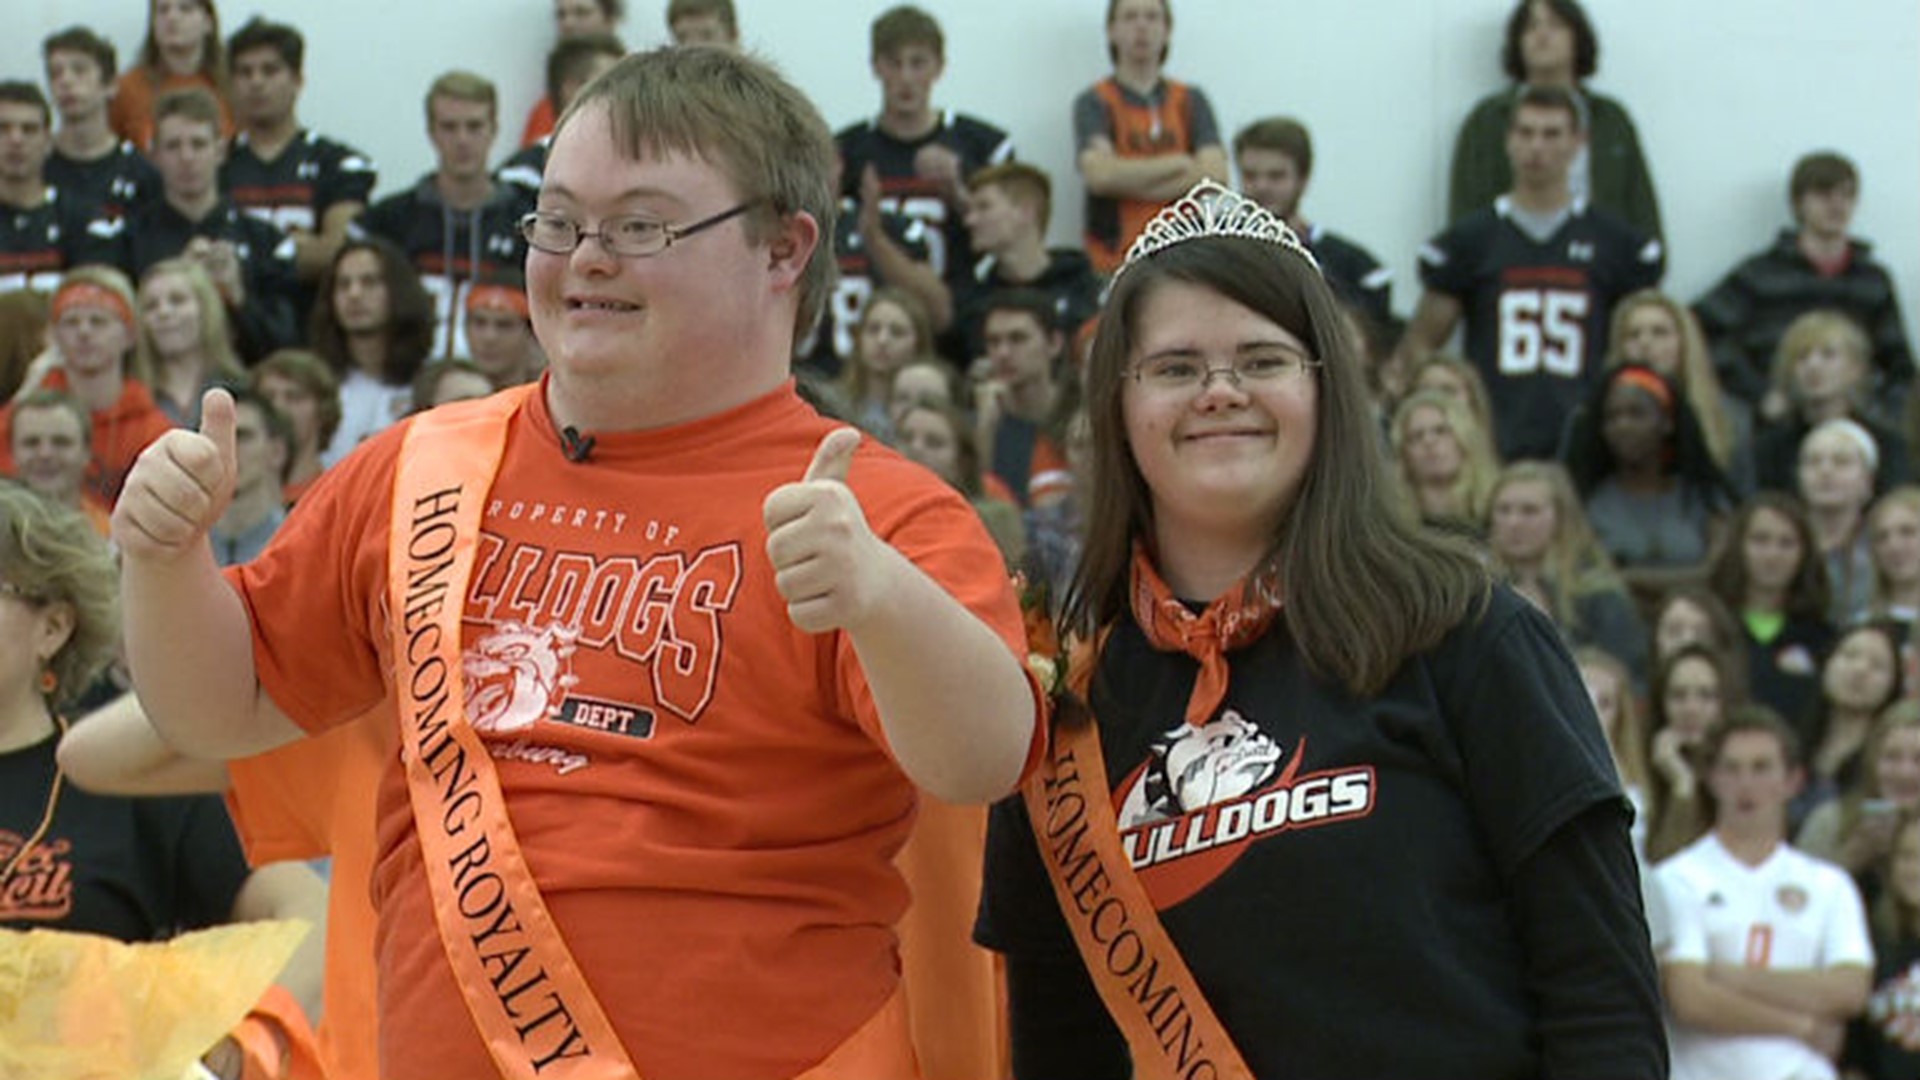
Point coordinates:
[[531, 1005], [1145, 984]]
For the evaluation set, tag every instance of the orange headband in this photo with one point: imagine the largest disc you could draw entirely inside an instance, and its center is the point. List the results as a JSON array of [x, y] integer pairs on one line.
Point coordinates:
[[88, 294], [497, 297], [1646, 380]]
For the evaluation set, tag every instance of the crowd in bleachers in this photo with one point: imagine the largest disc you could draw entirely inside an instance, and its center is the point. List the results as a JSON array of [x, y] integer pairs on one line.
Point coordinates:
[[1712, 496]]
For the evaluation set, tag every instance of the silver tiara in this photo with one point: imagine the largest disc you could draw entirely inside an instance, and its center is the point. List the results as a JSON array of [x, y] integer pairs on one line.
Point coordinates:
[[1209, 209]]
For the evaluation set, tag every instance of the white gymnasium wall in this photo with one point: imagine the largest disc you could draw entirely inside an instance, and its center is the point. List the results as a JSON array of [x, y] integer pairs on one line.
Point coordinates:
[[1726, 92]]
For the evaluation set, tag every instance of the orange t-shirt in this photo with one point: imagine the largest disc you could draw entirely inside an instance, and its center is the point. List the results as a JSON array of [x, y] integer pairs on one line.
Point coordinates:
[[312, 799], [702, 791], [120, 432], [130, 110]]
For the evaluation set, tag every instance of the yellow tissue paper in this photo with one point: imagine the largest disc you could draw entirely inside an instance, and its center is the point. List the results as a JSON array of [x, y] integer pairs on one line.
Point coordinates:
[[84, 1007]]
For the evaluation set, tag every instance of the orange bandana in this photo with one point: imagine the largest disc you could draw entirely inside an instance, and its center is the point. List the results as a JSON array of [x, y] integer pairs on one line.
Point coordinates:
[[1233, 621]]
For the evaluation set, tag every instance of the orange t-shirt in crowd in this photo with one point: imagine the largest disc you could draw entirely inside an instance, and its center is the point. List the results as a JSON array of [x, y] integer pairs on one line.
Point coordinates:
[[120, 432], [313, 799], [130, 110], [703, 792], [540, 121]]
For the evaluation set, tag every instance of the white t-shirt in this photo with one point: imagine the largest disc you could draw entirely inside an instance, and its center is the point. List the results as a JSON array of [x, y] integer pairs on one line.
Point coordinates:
[[1792, 911]]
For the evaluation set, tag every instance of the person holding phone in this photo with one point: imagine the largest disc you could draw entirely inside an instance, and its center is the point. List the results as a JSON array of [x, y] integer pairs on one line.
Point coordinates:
[[1857, 829]]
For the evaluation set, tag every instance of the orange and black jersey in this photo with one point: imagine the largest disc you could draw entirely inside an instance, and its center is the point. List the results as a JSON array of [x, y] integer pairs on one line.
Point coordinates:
[[1537, 310], [902, 190], [106, 187], [38, 243], [310, 176]]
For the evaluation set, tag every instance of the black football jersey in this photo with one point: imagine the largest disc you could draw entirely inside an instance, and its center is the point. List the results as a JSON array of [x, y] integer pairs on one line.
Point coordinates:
[[311, 175], [978, 145]]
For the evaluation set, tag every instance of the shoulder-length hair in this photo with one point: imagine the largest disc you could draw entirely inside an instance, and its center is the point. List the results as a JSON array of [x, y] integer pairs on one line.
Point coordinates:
[[1575, 565], [1479, 401], [1895, 917], [216, 336], [1729, 644], [411, 317], [52, 555], [1479, 461], [1586, 44], [213, 52], [1628, 733], [1905, 497], [856, 383], [1365, 587], [1808, 595], [1696, 378]]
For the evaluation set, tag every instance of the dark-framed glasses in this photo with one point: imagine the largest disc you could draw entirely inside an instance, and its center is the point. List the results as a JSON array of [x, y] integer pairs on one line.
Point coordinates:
[[626, 235]]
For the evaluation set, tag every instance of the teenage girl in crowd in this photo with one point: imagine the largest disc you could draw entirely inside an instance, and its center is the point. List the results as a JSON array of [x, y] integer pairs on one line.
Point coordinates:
[[185, 340], [1770, 574], [1260, 623], [1542, 545], [1447, 461]]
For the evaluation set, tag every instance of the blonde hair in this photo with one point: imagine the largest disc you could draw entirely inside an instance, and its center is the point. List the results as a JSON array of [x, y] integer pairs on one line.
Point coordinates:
[[216, 340], [1812, 330], [1575, 565], [1907, 497], [856, 383], [52, 556], [1479, 462], [1469, 376], [1627, 735], [1696, 379]]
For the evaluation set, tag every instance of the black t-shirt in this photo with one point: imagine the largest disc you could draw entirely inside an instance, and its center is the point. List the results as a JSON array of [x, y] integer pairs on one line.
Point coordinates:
[[106, 187], [1069, 281], [1363, 923], [311, 176], [130, 869], [1537, 312], [39, 243], [977, 144]]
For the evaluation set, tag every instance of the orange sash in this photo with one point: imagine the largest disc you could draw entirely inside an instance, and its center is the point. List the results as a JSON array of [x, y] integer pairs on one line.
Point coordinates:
[[1171, 1030], [529, 1001]]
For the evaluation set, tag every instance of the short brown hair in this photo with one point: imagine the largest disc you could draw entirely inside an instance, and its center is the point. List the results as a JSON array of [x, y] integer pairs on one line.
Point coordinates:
[[693, 9], [314, 376], [572, 58], [191, 103], [1548, 97], [1752, 717], [900, 27], [741, 115], [464, 86], [1023, 183], [1282, 135], [80, 39], [1820, 172], [49, 398]]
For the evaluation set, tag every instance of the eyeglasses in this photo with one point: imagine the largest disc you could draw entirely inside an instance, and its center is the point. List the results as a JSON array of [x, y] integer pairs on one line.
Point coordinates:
[[1178, 374], [627, 235]]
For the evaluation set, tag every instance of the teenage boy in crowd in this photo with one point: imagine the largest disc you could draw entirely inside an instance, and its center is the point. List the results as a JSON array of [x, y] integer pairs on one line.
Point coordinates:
[[1535, 277], [295, 179], [98, 172], [571, 64], [1142, 139], [1008, 207], [1817, 263], [1769, 954], [733, 641], [250, 261], [40, 231], [921, 156], [457, 223], [1275, 159]]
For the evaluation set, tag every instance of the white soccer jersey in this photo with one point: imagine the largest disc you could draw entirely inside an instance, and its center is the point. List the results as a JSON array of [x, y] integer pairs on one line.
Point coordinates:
[[1791, 911]]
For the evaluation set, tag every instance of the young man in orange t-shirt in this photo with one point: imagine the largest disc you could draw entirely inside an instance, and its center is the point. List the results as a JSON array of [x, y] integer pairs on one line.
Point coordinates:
[[707, 646]]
